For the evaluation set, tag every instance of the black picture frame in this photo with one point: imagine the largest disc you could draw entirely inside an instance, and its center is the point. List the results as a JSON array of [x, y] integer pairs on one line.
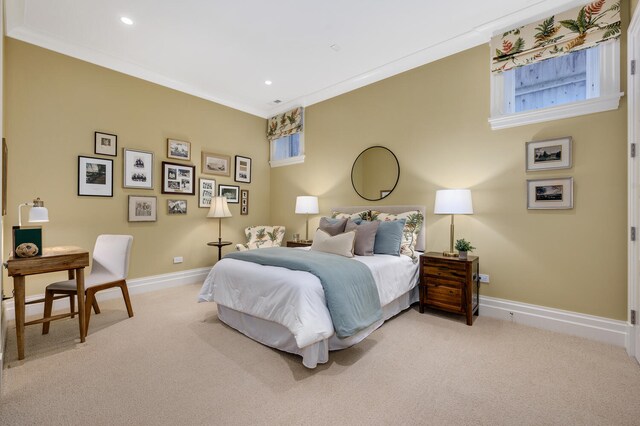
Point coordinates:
[[95, 176], [105, 144], [178, 178], [243, 169], [232, 192]]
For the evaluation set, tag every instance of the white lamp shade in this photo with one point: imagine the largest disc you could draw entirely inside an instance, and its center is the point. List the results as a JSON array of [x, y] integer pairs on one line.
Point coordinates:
[[453, 201], [307, 205], [219, 207], [38, 214]]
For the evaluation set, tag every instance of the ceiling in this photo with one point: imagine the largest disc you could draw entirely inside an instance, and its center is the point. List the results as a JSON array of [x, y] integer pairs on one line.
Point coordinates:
[[224, 51]]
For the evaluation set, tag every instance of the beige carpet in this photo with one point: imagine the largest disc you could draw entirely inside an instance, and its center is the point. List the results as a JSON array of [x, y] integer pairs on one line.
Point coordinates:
[[174, 363]]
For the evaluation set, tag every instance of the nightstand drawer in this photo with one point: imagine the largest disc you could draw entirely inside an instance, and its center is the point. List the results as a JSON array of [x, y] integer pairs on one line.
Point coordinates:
[[443, 281], [446, 271], [445, 297]]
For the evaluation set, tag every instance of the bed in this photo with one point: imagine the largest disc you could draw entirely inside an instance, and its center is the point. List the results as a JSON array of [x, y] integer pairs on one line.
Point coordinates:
[[288, 310]]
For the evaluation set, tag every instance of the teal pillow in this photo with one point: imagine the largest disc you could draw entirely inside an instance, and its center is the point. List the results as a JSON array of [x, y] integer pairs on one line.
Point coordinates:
[[389, 237]]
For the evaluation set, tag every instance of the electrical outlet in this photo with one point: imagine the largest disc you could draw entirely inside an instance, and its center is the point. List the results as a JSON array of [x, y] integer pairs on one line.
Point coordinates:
[[177, 259], [484, 278]]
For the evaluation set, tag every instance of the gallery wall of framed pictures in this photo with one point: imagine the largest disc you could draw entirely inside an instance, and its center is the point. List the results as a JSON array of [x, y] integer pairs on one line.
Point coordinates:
[[552, 192], [95, 177]]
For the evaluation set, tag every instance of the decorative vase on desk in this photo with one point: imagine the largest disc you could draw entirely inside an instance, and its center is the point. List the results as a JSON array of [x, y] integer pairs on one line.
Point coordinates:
[[462, 255]]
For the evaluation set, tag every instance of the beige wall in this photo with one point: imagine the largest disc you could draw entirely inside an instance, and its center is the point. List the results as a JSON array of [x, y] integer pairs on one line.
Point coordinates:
[[53, 105], [434, 118]]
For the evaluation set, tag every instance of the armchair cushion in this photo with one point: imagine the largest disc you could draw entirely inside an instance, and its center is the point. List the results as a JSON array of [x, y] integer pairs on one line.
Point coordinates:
[[262, 237]]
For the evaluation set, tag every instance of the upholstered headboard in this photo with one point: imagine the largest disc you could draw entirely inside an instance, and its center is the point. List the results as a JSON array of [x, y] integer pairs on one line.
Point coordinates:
[[394, 210]]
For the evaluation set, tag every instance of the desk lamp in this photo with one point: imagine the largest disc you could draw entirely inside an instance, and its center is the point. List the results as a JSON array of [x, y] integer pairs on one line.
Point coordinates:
[[27, 241], [453, 201]]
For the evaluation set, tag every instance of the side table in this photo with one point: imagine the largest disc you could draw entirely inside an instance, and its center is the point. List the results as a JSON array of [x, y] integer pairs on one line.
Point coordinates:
[[299, 243], [219, 244]]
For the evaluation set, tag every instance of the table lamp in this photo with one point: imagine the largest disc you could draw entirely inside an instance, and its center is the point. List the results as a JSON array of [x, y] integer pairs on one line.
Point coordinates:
[[27, 241], [453, 201], [306, 204], [219, 209]]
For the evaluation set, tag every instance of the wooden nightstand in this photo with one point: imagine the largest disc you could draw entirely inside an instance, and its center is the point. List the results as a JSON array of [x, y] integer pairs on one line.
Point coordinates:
[[299, 243], [450, 284]]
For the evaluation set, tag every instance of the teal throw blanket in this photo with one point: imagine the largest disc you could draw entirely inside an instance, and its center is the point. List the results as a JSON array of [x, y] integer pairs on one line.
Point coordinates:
[[349, 288]]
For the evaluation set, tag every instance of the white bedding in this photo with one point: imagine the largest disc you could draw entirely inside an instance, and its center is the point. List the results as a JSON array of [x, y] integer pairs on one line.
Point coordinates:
[[295, 299]]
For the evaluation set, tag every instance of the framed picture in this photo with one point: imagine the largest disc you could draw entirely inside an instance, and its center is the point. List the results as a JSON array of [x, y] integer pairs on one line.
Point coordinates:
[[95, 176], [550, 193], [138, 169], [106, 144], [244, 202], [178, 178], [549, 154], [177, 206], [216, 164], [180, 150], [229, 191], [243, 169], [142, 208], [206, 193]]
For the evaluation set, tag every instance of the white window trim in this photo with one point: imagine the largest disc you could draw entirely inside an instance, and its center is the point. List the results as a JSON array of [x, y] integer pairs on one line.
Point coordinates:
[[609, 98], [287, 162]]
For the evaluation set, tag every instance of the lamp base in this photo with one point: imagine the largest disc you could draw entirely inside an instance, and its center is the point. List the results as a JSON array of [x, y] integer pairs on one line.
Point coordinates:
[[449, 254]]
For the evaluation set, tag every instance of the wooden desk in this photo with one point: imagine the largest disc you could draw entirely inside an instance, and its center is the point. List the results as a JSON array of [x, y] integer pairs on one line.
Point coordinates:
[[53, 259]]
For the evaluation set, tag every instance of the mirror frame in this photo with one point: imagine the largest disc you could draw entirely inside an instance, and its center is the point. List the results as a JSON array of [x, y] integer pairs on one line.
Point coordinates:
[[397, 176]]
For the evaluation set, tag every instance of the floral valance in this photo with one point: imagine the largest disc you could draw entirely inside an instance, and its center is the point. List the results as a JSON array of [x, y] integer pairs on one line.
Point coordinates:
[[285, 124], [563, 33]]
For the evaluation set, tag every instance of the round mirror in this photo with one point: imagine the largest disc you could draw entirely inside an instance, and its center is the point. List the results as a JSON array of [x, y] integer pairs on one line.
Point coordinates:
[[375, 173]]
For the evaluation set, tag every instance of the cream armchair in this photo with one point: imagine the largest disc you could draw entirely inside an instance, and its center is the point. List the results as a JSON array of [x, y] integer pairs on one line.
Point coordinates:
[[262, 237]]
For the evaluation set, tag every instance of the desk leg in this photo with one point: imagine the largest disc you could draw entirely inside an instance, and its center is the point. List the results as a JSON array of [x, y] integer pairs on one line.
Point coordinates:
[[81, 300], [18, 289]]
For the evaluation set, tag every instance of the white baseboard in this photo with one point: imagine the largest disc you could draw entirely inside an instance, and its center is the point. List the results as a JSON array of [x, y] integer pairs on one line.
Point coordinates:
[[588, 326], [135, 286]]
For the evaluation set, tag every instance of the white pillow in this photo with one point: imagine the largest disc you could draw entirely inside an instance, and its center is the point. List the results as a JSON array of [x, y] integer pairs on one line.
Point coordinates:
[[341, 244]]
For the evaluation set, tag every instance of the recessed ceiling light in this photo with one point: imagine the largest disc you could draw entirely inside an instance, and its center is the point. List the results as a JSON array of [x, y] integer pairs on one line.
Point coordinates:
[[126, 20], [268, 82]]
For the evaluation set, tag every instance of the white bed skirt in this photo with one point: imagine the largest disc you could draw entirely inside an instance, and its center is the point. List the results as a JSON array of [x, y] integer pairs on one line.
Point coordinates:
[[278, 336]]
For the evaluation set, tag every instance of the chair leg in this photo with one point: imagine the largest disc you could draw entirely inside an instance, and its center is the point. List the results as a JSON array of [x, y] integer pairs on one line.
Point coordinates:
[[48, 305], [96, 308], [72, 304], [87, 307], [125, 295]]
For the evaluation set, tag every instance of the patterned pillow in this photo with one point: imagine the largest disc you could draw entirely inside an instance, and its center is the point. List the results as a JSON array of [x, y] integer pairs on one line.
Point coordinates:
[[363, 215], [412, 227], [262, 237]]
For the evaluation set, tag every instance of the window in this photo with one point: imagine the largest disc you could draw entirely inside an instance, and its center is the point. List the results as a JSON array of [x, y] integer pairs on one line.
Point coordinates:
[[565, 65], [556, 81], [287, 150], [286, 137], [582, 82]]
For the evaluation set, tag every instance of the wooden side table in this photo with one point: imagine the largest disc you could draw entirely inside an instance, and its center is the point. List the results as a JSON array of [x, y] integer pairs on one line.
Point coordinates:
[[450, 284], [299, 243], [219, 244], [53, 259]]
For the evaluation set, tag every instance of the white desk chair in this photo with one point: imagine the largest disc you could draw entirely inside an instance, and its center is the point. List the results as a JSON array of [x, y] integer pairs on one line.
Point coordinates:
[[109, 268]]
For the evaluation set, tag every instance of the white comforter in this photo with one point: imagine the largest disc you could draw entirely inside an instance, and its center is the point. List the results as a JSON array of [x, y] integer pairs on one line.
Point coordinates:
[[295, 299]]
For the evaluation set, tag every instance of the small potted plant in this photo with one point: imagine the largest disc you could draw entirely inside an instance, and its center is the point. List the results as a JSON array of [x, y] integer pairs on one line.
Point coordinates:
[[463, 246]]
